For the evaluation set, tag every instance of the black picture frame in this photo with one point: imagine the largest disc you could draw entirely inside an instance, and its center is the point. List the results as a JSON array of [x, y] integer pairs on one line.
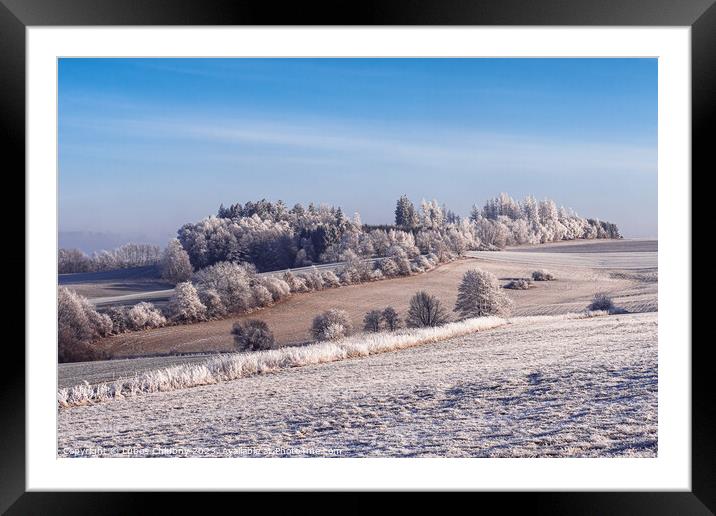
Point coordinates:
[[700, 15]]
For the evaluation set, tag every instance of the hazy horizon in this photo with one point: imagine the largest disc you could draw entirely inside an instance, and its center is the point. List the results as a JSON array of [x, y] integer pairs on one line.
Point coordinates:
[[146, 145]]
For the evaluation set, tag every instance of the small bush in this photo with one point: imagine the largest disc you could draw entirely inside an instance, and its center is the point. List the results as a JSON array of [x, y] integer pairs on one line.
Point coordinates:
[[262, 296], [185, 305], [376, 275], [278, 288], [334, 331], [313, 279], [143, 316], [371, 321], [118, 316], [389, 268], [425, 310], [519, 284], [543, 275], [78, 324], [331, 325], [295, 283], [211, 299], [330, 280], [602, 301], [391, 318], [253, 335], [424, 263]]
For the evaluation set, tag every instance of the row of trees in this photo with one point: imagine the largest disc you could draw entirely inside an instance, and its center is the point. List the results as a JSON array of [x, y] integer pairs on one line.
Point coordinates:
[[128, 255], [532, 222], [271, 236], [212, 293], [479, 295]]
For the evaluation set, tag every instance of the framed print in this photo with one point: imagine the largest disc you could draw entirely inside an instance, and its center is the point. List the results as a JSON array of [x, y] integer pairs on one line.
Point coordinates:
[[418, 248]]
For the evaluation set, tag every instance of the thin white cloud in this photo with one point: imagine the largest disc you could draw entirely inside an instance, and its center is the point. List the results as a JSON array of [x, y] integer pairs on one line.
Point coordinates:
[[417, 146]]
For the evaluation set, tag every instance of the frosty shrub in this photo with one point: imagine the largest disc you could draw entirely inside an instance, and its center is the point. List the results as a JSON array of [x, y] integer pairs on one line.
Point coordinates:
[[518, 284], [348, 277], [334, 331], [144, 316], [253, 335], [78, 323], [185, 306], [354, 269], [543, 275], [118, 316], [391, 318], [278, 288], [480, 295], [601, 301], [424, 263], [389, 268], [376, 275], [231, 281], [330, 280], [313, 279], [400, 257], [295, 283], [175, 265], [212, 301], [425, 310], [262, 296], [371, 321], [331, 325]]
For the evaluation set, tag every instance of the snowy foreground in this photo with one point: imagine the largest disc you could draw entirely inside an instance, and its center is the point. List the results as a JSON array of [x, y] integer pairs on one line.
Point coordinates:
[[542, 387]]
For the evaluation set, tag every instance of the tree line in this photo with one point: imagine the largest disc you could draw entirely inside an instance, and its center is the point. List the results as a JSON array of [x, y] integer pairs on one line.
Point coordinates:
[[126, 256], [271, 236]]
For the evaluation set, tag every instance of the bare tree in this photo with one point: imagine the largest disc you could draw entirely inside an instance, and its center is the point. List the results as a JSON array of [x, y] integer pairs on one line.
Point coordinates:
[[331, 325], [391, 318], [253, 335], [371, 321], [425, 310]]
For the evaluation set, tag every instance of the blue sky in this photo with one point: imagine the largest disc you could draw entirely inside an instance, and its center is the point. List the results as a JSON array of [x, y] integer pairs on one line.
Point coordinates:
[[146, 145]]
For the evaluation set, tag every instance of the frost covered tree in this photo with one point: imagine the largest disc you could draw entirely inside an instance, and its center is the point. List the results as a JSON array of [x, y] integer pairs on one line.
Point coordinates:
[[231, 281], [175, 265], [354, 269], [479, 294], [331, 325], [211, 299], [185, 304], [295, 282], [78, 324], [371, 321], [432, 214], [253, 335], [425, 310], [144, 316], [391, 318], [405, 215]]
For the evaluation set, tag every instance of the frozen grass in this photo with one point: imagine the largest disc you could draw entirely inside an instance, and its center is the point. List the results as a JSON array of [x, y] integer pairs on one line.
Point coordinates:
[[548, 388], [240, 365]]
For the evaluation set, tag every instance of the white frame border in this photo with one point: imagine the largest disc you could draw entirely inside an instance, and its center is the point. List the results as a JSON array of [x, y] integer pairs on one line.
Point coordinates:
[[671, 470]]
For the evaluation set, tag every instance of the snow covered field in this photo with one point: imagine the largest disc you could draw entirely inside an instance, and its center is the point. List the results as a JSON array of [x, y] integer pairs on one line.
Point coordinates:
[[551, 388], [543, 386]]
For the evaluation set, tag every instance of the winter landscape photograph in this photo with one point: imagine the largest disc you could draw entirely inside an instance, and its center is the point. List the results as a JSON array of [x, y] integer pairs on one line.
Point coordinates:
[[357, 257]]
